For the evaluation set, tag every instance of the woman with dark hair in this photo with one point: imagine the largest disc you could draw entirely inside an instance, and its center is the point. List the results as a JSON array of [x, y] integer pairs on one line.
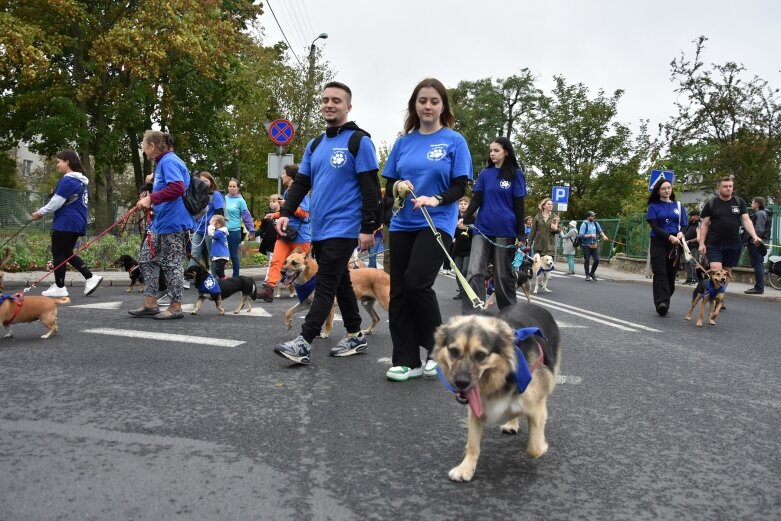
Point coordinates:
[[163, 248], [69, 205], [430, 163], [666, 218], [200, 241], [499, 195], [236, 212]]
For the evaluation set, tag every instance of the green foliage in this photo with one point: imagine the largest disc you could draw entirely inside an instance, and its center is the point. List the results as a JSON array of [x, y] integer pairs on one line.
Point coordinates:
[[9, 177], [725, 125]]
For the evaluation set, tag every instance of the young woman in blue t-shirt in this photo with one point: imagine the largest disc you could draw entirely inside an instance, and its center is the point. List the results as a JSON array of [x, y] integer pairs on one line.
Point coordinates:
[[69, 205], [666, 218], [499, 195], [433, 161]]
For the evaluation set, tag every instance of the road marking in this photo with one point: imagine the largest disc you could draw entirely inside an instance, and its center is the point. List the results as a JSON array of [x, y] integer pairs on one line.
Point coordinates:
[[168, 337], [100, 305], [568, 379], [582, 312]]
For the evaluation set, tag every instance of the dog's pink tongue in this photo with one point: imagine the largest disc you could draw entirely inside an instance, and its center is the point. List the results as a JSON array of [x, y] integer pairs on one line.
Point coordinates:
[[474, 401]]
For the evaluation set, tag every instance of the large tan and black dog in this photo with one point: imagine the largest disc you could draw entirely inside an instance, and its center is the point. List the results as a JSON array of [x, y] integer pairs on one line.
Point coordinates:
[[478, 358], [300, 268], [30, 309], [3, 262], [711, 289], [227, 287]]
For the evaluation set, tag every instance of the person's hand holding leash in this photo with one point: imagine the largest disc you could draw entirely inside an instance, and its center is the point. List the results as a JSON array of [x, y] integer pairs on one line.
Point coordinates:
[[365, 241], [425, 200], [281, 226], [144, 203]]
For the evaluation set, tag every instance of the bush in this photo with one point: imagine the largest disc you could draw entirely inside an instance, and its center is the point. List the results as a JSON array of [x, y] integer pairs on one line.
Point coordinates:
[[32, 251]]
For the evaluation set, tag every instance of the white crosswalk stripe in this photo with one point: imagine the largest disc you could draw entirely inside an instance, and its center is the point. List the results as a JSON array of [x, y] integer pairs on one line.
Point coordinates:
[[168, 337]]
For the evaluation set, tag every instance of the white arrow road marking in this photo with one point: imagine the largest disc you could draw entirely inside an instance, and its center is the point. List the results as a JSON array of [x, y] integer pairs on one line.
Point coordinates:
[[167, 337]]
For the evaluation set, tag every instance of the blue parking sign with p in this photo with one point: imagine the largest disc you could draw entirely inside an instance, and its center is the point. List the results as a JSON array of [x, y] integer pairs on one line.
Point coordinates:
[[656, 174], [560, 194]]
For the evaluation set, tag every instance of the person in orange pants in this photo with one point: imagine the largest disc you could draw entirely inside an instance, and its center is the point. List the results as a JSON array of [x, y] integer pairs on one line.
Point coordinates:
[[301, 238]]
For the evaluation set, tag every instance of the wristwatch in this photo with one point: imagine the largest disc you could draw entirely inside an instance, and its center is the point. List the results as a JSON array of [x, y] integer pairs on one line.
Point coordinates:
[[438, 198]]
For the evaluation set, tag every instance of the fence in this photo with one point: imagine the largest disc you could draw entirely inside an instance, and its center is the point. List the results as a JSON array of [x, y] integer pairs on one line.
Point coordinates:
[[17, 207]]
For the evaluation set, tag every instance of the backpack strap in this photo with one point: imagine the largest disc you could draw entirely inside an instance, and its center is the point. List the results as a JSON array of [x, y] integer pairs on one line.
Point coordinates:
[[353, 145]]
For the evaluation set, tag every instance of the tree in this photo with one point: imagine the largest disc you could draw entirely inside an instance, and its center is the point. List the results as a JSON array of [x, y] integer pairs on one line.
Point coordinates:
[[575, 141], [94, 74], [737, 122], [488, 108]]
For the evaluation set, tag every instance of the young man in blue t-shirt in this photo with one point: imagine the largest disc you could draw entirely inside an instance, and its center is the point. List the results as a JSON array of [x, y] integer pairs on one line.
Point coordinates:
[[343, 210]]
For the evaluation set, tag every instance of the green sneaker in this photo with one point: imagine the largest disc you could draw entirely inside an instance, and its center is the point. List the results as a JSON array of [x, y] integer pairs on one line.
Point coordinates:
[[402, 373]]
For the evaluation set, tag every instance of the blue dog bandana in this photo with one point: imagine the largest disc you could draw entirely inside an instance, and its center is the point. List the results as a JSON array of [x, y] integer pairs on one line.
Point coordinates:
[[210, 286], [304, 290]]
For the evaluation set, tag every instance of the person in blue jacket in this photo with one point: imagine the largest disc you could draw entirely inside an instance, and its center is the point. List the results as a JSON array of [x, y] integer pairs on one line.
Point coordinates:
[[201, 241], [163, 248], [69, 205], [667, 218], [499, 194], [429, 166]]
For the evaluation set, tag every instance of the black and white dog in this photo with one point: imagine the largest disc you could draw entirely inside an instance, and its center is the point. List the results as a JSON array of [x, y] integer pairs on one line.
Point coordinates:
[[209, 287]]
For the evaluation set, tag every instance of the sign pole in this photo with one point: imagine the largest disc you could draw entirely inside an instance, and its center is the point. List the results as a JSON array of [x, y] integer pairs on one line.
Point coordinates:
[[280, 153]]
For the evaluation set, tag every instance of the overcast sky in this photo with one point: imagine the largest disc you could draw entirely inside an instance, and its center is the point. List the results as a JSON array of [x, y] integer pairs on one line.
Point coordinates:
[[381, 49]]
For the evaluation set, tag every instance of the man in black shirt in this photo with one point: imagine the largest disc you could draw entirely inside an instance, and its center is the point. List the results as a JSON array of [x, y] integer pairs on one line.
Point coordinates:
[[722, 217]]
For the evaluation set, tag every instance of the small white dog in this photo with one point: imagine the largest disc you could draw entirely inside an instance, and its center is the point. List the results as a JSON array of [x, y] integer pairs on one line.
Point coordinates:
[[541, 271]]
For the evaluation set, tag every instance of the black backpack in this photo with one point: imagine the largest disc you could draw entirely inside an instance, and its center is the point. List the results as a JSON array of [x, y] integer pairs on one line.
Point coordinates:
[[196, 198]]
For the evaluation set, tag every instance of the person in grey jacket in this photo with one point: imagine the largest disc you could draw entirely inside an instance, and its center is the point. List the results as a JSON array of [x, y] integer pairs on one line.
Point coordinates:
[[568, 245], [756, 252]]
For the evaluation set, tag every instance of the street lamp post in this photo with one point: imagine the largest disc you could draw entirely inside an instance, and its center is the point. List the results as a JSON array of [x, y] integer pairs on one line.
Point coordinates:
[[310, 75]]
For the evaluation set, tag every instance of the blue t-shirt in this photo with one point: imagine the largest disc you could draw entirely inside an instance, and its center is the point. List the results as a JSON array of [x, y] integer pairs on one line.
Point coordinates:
[[216, 202], [496, 217], [234, 206], [220, 243], [430, 162], [303, 225], [335, 204], [171, 216], [589, 228], [72, 217], [669, 216]]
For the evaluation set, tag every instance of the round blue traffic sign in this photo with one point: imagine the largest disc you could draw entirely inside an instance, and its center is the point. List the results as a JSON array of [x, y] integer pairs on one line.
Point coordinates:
[[281, 132]]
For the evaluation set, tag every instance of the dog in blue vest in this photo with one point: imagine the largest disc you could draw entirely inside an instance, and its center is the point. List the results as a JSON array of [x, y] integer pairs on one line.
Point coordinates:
[[710, 289], [504, 366], [212, 288]]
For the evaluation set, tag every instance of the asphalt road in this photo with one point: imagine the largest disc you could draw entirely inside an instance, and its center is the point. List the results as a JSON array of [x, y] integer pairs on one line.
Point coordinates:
[[652, 419]]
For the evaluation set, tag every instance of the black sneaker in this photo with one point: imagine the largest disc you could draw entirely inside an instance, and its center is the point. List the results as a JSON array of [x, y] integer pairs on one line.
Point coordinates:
[[753, 291], [350, 345], [662, 308], [266, 293], [593, 277], [588, 278]]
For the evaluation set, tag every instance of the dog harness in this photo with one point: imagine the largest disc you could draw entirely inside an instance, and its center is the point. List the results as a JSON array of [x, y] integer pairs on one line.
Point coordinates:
[[542, 270], [19, 299], [210, 286], [304, 290], [712, 290], [523, 374]]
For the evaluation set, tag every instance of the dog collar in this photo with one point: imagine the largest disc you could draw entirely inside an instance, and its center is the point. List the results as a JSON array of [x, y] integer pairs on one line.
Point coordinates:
[[19, 299], [304, 290], [542, 270], [210, 286], [712, 290]]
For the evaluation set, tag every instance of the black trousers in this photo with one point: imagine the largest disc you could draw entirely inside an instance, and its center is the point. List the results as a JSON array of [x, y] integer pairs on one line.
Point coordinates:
[[333, 280], [664, 270], [62, 248], [414, 311]]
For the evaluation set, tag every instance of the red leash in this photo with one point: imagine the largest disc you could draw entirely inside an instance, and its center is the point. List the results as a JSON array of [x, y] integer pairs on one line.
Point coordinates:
[[82, 248]]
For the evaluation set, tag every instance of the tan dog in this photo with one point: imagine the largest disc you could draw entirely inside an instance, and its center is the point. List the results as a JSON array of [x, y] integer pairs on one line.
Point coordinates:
[[478, 358], [541, 271], [370, 286], [299, 268], [29, 309], [3, 262], [710, 290], [279, 288]]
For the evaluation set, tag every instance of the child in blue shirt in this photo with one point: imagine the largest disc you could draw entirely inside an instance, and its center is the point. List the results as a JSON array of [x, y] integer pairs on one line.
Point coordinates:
[[220, 253]]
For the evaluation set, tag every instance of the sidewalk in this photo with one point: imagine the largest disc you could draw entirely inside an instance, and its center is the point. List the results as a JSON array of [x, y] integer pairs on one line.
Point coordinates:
[[258, 273]]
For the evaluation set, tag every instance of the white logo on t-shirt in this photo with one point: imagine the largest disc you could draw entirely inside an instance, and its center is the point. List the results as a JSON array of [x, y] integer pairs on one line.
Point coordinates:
[[437, 152], [505, 184], [338, 158], [736, 210]]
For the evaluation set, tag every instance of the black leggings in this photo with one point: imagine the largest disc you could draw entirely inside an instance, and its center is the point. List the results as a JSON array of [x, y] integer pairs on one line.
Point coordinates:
[[664, 270], [62, 248], [414, 311]]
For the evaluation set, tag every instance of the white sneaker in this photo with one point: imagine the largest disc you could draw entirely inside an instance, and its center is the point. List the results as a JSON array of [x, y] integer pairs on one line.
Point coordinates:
[[91, 284], [186, 285], [430, 369], [402, 373], [165, 300], [55, 291]]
